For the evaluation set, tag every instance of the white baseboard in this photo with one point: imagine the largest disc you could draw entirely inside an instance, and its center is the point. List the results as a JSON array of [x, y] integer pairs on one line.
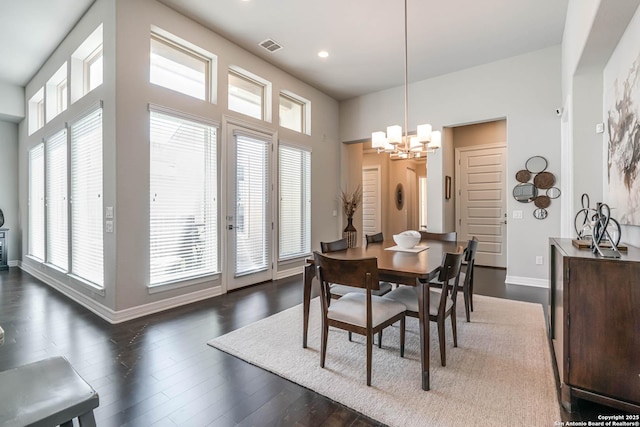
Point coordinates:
[[14, 263], [281, 274], [527, 281], [119, 316]]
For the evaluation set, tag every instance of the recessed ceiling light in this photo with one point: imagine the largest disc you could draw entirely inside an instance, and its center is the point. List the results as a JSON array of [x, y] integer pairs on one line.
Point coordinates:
[[323, 54]]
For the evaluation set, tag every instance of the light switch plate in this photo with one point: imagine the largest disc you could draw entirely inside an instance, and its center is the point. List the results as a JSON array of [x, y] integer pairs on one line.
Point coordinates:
[[108, 226], [109, 212], [517, 214]]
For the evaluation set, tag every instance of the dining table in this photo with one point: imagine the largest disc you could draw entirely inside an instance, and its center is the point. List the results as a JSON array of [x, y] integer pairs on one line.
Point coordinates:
[[395, 265]]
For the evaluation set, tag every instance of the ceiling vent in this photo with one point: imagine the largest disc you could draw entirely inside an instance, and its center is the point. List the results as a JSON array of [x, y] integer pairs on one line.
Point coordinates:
[[271, 45]]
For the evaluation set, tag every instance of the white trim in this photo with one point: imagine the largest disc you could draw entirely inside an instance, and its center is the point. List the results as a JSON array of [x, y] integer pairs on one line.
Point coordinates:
[[112, 316], [14, 263], [527, 281], [281, 274]]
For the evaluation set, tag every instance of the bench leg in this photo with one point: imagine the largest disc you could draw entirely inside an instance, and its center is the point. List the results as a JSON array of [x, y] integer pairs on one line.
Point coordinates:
[[87, 420], [67, 424]]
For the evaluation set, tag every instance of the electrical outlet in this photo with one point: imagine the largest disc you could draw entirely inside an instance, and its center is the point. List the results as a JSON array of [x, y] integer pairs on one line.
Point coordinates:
[[538, 260], [109, 226], [517, 214]]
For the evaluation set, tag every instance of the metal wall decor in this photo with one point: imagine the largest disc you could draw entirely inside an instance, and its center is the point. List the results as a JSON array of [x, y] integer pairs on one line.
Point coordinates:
[[541, 191]]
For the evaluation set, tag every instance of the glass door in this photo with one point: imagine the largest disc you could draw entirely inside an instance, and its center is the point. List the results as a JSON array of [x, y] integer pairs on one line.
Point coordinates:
[[249, 201]]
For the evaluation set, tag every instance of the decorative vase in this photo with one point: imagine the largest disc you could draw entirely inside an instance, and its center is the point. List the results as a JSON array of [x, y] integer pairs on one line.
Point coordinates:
[[350, 233], [1, 218]]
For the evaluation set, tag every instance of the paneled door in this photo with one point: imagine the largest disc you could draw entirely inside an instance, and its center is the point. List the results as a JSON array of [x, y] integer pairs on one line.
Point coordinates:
[[371, 207], [249, 207], [481, 205]]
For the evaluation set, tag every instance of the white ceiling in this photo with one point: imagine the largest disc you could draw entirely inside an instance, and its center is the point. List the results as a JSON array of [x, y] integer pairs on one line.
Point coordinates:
[[364, 38]]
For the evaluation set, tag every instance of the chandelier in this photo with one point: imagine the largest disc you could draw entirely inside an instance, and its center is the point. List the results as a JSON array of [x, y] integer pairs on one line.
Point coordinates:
[[401, 146]]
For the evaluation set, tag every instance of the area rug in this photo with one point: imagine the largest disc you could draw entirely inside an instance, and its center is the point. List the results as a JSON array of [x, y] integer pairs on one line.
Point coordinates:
[[501, 373]]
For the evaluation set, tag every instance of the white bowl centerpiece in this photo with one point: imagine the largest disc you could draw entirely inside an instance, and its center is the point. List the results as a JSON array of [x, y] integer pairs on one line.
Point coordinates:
[[407, 239]]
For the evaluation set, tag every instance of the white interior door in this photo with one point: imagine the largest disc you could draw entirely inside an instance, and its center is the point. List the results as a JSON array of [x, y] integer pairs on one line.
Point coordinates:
[[371, 206], [249, 205], [411, 200], [482, 205]]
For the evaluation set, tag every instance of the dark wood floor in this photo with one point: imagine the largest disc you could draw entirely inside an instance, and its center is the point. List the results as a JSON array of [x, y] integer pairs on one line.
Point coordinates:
[[158, 370]]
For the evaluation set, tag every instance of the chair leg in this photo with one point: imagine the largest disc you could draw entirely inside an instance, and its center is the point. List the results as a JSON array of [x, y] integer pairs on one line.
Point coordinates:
[[67, 424], [441, 338], [471, 292], [380, 339], [466, 304], [349, 335], [402, 328], [369, 357], [323, 349], [453, 327], [87, 420]]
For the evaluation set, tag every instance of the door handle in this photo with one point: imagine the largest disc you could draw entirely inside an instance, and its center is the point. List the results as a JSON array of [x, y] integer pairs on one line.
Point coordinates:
[[230, 226]]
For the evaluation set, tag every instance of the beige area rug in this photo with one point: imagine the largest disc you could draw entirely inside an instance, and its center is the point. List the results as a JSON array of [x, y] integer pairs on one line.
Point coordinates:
[[500, 374]]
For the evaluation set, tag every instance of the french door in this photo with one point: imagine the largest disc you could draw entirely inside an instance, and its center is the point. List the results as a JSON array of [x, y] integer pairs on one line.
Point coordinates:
[[249, 225]]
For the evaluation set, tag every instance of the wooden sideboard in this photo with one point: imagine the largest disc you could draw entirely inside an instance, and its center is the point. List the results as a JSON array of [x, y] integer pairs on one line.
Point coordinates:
[[594, 324]]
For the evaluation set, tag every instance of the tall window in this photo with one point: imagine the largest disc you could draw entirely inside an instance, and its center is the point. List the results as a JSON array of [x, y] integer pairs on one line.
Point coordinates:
[[57, 224], [178, 68], [86, 198], [295, 202], [36, 202], [183, 207], [246, 95]]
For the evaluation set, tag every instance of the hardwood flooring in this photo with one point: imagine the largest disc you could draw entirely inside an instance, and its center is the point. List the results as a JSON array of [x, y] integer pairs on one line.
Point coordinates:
[[158, 370]]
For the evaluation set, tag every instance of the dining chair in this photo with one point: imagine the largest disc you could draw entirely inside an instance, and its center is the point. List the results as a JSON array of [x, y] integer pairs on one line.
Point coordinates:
[[442, 303], [451, 236], [361, 313], [466, 277], [339, 290]]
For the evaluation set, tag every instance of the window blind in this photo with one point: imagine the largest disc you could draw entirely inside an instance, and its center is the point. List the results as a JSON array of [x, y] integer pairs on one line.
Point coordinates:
[[295, 202], [183, 199], [36, 202], [86, 198], [252, 204], [57, 213]]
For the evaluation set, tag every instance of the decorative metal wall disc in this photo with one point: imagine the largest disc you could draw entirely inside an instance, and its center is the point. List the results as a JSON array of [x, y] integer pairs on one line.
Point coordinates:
[[542, 201], [544, 180], [523, 176]]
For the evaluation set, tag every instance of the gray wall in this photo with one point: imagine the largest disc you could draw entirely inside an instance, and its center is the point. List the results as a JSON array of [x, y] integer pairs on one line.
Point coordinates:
[[525, 90], [9, 188]]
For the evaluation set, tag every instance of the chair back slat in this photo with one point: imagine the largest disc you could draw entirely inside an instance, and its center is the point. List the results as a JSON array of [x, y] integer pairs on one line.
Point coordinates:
[[358, 273], [450, 270], [336, 245], [445, 237], [375, 238]]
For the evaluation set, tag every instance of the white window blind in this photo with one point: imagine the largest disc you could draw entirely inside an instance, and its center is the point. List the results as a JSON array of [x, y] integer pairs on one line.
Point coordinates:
[[295, 202], [86, 198], [36, 202], [57, 224], [252, 204], [183, 199]]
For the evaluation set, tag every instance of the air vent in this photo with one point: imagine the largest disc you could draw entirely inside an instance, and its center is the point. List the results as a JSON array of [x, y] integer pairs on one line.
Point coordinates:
[[271, 45]]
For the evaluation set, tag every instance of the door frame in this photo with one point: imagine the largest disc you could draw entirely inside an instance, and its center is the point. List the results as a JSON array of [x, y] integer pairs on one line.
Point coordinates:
[[375, 168], [223, 171], [457, 167]]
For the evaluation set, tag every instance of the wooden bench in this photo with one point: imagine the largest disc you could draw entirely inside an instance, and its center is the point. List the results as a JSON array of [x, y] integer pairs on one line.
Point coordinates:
[[46, 393]]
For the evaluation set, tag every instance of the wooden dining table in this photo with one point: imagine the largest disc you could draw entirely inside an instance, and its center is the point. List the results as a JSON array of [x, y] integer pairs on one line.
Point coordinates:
[[396, 267]]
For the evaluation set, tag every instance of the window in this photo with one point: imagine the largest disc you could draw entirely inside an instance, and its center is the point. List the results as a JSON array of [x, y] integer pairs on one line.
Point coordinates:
[[295, 202], [36, 111], [178, 68], [86, 198], [183, 199], [93, 70], [294, 112], [57, 224], [247, 95], [56, 89], [36, 202], [87, 66]]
